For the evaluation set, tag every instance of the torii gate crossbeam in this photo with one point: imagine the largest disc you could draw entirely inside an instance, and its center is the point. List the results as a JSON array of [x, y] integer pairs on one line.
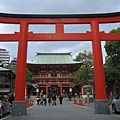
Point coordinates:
[[94, 35]]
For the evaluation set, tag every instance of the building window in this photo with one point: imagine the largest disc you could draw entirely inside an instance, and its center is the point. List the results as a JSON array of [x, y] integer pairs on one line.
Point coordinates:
[[64, 75], [43, 75], [53, 75], [85, 90]]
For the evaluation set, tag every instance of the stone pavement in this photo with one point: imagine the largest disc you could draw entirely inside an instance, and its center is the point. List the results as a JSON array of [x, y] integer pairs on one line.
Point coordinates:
[[67, 110]]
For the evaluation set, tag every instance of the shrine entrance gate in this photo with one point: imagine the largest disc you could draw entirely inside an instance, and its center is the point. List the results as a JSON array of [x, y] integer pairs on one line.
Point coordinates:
[[94, 35]]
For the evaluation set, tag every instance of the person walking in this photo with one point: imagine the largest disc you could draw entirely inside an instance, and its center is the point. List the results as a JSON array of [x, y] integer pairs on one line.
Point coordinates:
[[44, 100], [54, 100], [60, 99], [41, 99], [49, 100], [11, 98], [38, 100]]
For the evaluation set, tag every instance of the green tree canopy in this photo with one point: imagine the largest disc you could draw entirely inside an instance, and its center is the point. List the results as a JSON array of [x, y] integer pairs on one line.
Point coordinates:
[[112, 66], [86, 70], [29, 75]]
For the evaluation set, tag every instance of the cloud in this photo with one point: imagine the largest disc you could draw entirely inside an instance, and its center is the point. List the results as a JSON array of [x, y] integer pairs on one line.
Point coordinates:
[[56, 7], [5, 6], [9, 28], [1, 28], [109, 26], [12, 47], [59, 6]]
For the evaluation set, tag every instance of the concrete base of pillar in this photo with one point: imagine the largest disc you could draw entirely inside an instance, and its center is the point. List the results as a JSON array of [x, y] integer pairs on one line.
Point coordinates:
[[102, 107], [18, 108]]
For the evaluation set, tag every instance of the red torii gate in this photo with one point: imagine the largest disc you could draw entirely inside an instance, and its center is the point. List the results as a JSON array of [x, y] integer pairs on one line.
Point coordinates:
[[23, 36]]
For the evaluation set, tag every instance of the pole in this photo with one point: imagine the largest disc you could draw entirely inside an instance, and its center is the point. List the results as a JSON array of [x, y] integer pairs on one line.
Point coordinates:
[[101, 103]]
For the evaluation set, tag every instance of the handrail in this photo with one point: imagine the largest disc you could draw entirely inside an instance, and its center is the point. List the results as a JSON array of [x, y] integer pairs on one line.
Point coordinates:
[[52, 77]]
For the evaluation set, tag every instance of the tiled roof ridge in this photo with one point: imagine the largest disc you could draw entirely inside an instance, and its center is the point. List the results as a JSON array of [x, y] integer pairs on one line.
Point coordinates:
[[69, 53]]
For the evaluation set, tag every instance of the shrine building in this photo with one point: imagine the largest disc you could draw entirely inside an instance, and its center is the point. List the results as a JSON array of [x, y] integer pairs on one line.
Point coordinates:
[[53, 72]]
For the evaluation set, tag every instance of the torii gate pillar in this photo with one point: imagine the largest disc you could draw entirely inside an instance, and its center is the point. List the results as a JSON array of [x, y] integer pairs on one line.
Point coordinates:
[[101, 103], [19, 105]]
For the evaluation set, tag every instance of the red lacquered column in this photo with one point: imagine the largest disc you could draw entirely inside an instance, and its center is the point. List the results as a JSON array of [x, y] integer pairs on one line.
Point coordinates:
[[21, 63], [98, 62], [47, 89]]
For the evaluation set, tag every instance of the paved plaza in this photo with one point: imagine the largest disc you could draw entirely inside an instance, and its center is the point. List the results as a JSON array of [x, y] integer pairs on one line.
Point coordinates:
[[67, 110]]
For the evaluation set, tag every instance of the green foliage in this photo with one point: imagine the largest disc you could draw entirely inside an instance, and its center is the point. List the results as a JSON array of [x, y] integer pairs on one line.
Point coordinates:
[[86, 70], [112, 66], [111, 73], [29, 76], [115, 30], [113, 51]]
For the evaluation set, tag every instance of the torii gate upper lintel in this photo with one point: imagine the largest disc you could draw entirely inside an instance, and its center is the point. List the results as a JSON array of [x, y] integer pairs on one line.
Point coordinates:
[[94, 35]]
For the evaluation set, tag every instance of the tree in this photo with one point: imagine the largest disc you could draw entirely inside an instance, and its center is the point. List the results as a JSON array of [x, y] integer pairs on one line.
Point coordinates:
[[112, 66], [29, 76], [86, 70]]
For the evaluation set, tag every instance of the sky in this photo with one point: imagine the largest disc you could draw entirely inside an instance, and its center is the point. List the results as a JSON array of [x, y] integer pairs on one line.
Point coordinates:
[[56, 7]]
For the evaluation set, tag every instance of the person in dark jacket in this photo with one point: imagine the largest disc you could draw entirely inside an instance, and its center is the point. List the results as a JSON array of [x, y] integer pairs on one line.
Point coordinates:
[[38, 100], [49, 100], [60, 99], [1, 97], [54, 100], [11, 98]]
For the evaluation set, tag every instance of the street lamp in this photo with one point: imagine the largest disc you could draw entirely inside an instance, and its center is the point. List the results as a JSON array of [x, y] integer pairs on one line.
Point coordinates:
[[70, 94], [70, 90], [37, 91], [41, 91]]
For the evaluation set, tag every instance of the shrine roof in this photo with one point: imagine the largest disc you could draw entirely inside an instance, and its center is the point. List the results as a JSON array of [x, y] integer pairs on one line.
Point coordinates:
[[54, 58]]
